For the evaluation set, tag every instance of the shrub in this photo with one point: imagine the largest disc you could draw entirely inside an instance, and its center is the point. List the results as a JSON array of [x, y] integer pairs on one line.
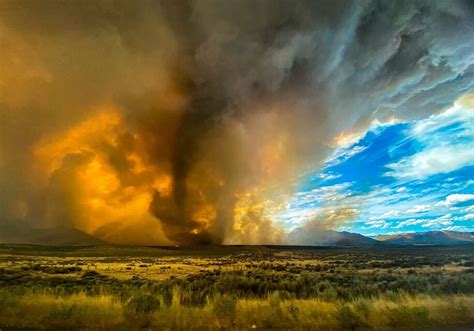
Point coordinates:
[[348, 319], [91, 274], [143, 303], [403, 315]]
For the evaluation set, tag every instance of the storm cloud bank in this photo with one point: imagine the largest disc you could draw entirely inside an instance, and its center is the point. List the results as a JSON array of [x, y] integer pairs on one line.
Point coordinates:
[[183, 121]]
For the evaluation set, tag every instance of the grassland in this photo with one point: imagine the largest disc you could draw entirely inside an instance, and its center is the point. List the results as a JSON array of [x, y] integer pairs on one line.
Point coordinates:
[[220, 288]]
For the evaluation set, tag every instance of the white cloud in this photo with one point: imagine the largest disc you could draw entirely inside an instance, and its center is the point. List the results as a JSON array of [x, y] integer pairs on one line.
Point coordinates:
[[418, 209], [470, 208], [467, 217], [438, 222], [344, 154], [454, 199], [409, 222], [328, 176], [377, 224], [457, 228], [433, 161], [444, 220], [391, 214]]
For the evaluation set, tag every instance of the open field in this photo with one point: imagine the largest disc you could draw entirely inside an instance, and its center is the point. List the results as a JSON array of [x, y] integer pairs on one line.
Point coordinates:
[[223, 287]]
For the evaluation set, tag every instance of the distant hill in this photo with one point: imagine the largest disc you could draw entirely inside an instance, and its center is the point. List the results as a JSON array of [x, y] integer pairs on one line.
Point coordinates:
[[332, 238], [429, 238], [22, 233], [345, 238]]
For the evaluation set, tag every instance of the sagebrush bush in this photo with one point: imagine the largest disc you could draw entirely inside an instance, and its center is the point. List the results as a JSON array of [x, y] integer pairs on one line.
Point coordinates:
[[143, 303], [348, 319]]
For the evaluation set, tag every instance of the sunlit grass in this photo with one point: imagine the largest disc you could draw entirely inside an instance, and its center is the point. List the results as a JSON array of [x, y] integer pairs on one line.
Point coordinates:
[[47, 311], [80, 311]]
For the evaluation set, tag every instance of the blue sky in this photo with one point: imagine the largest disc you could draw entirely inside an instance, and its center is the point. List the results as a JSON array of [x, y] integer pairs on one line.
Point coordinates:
[[397, 177]]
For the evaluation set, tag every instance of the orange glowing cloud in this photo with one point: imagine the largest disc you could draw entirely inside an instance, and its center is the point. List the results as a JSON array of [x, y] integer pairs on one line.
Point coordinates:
[[99, 196]]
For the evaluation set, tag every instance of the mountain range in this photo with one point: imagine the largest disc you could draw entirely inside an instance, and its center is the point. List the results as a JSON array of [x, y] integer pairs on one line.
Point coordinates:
[[429, 238], [22, 233], [345, 239]]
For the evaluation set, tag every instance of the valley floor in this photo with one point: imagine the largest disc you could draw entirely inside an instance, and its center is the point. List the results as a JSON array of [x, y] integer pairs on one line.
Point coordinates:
[[235, 288]]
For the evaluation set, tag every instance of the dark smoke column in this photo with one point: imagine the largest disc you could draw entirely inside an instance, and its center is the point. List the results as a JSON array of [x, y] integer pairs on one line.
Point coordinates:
[[176, 212]]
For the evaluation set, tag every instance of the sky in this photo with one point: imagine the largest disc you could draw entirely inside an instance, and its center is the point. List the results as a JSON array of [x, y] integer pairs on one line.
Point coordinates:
[[238, 121], [397, 177]]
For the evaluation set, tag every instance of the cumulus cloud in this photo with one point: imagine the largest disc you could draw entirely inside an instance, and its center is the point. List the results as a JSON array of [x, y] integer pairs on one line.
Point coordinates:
[[434, 161], [454, 199], [439, 222], [467, 217], [409, 222]]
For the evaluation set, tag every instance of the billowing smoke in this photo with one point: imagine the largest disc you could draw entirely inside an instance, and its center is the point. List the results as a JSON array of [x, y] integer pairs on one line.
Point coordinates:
[[182, 121], [320, 230]]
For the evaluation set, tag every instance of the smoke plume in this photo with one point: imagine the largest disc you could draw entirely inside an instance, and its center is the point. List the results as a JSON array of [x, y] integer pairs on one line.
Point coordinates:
[[165, 122]]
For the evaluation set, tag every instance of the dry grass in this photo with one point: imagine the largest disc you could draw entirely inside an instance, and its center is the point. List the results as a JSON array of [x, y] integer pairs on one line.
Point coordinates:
[[105, 312], [75, 311]]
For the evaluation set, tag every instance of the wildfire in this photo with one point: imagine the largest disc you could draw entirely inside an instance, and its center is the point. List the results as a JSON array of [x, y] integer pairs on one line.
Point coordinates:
[[105, 194]]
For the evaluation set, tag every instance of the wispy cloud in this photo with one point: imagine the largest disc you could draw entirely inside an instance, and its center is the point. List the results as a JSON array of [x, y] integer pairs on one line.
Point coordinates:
[[454, 199], [448, 145]]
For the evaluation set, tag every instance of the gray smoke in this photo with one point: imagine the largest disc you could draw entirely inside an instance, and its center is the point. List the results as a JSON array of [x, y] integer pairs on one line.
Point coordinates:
[[261, 89]]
